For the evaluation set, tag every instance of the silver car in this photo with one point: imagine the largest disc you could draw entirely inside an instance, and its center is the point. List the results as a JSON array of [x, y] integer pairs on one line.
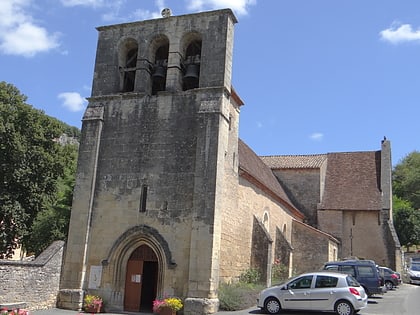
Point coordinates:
[[317, 291]]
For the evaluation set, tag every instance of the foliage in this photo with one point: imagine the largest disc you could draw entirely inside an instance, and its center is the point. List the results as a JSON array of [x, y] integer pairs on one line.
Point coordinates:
[[238, 296], [92, 301], [52, 223], [406, 200], [279, 271], [173, 303], [251, 275], [406, 179], [406, 222], [30, 166]]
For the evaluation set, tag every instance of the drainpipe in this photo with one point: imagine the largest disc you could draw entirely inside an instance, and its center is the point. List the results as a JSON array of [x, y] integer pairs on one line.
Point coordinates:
[[92, 114]]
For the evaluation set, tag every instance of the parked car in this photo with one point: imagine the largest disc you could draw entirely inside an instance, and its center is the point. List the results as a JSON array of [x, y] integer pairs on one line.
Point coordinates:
[[364, 271], [414, 272], [392, 279], [317, 291]]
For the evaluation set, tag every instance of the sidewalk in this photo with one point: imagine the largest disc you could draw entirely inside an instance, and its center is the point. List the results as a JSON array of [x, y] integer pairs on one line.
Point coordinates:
[[57, 311]]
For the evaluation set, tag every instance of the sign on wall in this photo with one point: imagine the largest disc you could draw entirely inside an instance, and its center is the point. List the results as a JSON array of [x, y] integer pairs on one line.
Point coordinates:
[[95, 276]]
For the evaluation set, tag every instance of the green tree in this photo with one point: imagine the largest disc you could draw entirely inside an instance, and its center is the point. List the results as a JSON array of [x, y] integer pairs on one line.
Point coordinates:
[[406, 179], [52, 223], [30, 166], [406, 222]]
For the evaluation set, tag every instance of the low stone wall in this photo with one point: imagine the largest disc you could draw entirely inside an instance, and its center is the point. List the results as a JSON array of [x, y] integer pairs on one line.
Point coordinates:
[[35, 283]]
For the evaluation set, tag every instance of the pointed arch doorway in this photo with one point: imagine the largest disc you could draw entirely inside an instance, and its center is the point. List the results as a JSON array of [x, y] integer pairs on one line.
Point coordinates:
[[141, 280]]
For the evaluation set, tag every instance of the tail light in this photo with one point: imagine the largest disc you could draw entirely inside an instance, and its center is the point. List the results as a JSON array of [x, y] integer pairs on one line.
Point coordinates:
[[394, 276], [354, 291]]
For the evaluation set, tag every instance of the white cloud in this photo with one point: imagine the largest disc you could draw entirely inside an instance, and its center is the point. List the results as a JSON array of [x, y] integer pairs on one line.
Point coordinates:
[[86, 3], [240, 7], [402, 33], [73, 101], [19, 35], [317, 136]]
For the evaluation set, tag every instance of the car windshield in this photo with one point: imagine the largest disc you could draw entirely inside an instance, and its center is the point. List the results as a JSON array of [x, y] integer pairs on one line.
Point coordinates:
[[415, 267]]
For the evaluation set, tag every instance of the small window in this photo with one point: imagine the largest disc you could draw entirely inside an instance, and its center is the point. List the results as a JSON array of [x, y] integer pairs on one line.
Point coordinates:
[[143, 199], [348, 270], [366, 271], [331, 267], [352, 282]]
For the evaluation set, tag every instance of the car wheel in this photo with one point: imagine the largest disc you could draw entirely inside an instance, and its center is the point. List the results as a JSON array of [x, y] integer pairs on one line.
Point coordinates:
[[389, 285], [344, 308], [272, 305]]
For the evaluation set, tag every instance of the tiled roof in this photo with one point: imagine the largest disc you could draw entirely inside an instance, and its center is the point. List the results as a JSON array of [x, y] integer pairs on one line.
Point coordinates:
[[250, 163], [294, 161], [352, 181]]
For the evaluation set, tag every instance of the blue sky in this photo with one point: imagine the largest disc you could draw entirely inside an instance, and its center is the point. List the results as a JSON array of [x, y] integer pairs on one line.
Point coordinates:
[[316, 76]]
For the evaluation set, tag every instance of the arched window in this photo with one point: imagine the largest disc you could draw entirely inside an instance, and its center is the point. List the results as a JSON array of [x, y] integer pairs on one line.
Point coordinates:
[[191, 79], [160, 67], [128, 65], [265, 221]]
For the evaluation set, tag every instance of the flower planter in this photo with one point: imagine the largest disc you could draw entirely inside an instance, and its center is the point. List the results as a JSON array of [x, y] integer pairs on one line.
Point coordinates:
[[93, 309], [166, 311]]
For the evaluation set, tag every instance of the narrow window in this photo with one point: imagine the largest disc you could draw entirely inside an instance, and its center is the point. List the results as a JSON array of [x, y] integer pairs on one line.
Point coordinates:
[[191, 65], [143, 198]]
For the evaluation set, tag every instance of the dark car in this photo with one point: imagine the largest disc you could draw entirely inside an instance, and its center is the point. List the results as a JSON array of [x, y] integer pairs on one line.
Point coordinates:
[[364, 271], [392, 279]]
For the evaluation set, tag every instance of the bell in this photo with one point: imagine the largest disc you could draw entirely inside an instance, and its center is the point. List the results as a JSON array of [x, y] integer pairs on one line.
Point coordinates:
[[192, 72], [159, 73]]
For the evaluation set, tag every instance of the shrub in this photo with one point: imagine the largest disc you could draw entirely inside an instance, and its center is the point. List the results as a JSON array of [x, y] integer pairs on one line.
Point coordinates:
[[279, 272], [238, 296], [251, 275]]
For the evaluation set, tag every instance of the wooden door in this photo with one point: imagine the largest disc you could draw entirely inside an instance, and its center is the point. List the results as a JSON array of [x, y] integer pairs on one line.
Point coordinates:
[[133, 281], [142, 269]]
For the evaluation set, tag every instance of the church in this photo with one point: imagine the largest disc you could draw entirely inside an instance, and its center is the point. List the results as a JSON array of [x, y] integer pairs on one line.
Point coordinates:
[[169, 201]]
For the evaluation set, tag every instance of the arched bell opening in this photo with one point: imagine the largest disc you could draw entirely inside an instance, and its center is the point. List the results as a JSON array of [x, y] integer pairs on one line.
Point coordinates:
[[191, 66], [159, 68], [128, 65]]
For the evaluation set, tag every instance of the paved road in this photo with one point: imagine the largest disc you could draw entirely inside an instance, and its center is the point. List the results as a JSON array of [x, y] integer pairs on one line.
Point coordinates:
[[404, 300]]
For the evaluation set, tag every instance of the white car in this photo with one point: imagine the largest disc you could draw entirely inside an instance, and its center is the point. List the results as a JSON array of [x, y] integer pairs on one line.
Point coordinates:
[[317, 291], [414, 273]]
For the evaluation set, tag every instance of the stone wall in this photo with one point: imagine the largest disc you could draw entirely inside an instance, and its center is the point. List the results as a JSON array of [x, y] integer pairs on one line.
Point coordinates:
[[34, 282], [303, 188], [312, 248]]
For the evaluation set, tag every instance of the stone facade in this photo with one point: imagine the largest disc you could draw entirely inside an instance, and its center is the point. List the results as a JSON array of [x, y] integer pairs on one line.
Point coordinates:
[[35, 283], [151, 164], [347, 195]]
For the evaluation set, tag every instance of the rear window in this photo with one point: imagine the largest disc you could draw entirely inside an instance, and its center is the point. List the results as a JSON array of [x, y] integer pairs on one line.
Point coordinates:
[[352, 282]]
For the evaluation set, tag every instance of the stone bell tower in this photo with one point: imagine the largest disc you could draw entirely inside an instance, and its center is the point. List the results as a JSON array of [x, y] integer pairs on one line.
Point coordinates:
[[158, 146]]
